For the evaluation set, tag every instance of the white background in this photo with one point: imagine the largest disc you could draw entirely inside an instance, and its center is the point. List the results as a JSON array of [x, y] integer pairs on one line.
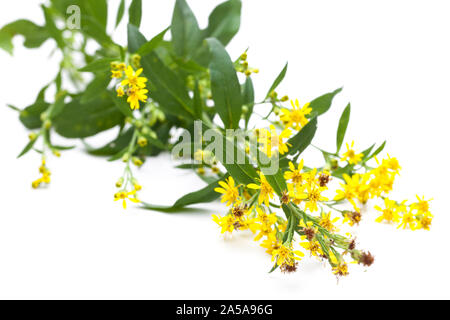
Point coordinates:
[[72, 241]]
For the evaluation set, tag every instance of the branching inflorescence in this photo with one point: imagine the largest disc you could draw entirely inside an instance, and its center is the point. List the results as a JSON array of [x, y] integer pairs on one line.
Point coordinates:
[[149, 88]]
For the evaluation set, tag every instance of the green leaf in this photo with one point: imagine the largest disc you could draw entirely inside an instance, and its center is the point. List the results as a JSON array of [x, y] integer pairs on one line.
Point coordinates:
[[31, 115], [148, 47], [113, 147], [186, 35], [99, 84], [238, 166], [380, 148], [98, 9], [167, 88], [122, 104], [135, 12], [57, 107], [27, 148], [135, 39], [80, 120], [343, 123], [50, 25], [100, 65], [204, 195], [321, 104], [276, 180], [248, 97], [303, 138], [278, 80], [34, 35], [198, 101], [225, 87], [120, 12], [224, 21]]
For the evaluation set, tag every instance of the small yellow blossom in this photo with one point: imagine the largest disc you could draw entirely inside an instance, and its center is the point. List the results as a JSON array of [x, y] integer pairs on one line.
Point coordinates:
[[124, 195], [295, 118], [133, 80], [229, 190], [285, 255], [328, 223], [389, 213], [351, 156], [265, 190], [135, 95], [295, 175]]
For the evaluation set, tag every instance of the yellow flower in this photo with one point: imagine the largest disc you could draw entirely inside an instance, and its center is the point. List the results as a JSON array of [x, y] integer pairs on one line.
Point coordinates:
[[120, 92], [328, 223], [135, 95], [285, 255], [271, 139], [116, 74], [226, 223], [124, 195], [229, 190], [295, 118], [263, 217], [45, 175], [313, 247], [425, 221], [422, 206], [312, 196], [295, 175], [270, 245], [351, 156], [265, 190], [389, 214], [408, 220], [133, 80], [341, 269]]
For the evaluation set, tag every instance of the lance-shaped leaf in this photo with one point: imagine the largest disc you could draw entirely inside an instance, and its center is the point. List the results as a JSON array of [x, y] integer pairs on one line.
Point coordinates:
[[225, 87], [224, 21], [103, 65], [120, 12], [278, 80], [206, 194], [186, 35], [234, 159], [166, 87], [303, 138], [268, 166], [135, 12], [27, 148], [98, 9], [248, 97], [321, 104], [80, 120], [343, 123], [151, 45], [135, 39]]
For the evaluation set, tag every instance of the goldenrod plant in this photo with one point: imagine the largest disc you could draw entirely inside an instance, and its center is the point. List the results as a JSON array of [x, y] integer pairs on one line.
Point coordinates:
[[183, 78]]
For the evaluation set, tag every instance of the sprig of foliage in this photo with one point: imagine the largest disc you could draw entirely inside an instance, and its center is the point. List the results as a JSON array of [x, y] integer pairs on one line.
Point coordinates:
[[149, 87]]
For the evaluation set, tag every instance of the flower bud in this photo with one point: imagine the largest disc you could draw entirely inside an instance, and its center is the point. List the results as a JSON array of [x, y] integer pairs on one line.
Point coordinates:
[[32, 136], [47, 124], [142, 142]]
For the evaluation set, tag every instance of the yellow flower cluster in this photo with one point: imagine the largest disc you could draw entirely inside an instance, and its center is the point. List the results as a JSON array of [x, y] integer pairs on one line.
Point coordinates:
[[373, 183], [242, 66], [45, 175], [414, 216], [132, 85], [125, 195], [269, 228], [306, 187]]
